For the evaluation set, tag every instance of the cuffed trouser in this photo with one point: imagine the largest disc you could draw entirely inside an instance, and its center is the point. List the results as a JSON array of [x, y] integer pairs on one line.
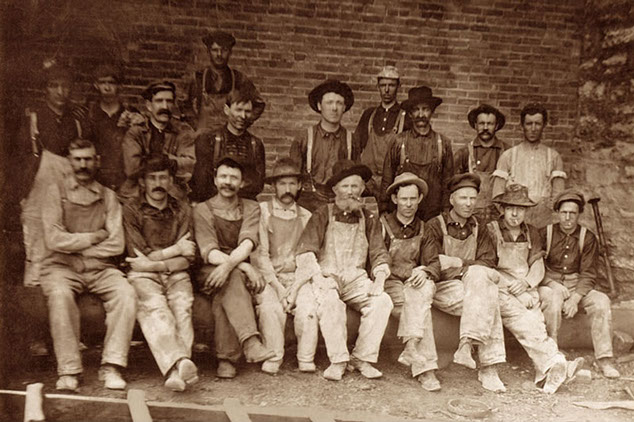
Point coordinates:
[[596, 305], [60, 285], [475, 300], [331, 312], [165, 315], [415, 320]]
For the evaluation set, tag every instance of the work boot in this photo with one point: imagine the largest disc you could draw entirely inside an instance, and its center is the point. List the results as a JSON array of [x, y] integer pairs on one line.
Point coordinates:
[[463, 355], [67, 383], [307, 366], [335, 371], [255, 351], [38, 349], [429, 382], [225, 369], [111, 377], [573, 367], [271, 367], [555, 377], [607, 368], [366, 369], [409, 354], [490, 380], [174, 382], [187, 371]]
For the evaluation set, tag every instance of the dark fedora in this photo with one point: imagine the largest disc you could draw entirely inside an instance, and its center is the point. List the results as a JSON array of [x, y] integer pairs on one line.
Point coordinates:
[[500, 119], [283, 167], [406, 179], [420, 95], [345, 168], [464, 180], [222, 38], [331, 85], [155, 87], [516, 195], [570, 195]]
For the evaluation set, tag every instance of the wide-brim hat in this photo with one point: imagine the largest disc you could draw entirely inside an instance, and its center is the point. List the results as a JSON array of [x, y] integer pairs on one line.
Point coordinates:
[[331, 85], [572, 195], [284, 167], [420, 95], [464, 180], [515, 194], [406, 179], [345, 168], [500, 119], [222, 38]]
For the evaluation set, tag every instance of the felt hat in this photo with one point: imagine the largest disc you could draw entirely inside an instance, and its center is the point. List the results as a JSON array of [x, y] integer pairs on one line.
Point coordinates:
[[420, 95], [406, 179], [515, 194], [500, 119], [155, 87], [283, 167], [345, 168], [222, 38], [331, 85], [388, 72], [464, 180], [572, 195]]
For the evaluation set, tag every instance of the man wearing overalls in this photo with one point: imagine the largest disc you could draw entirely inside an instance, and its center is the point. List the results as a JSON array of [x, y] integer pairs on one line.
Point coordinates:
[[421, 151], [518, 247], [534, 165], [208, 89], [226, 229], [481, 155], [158, 230], [571, 262], [83, 233], [162, 134], [339, 242], [324, 143], [232, 139], [379, 125], [468, 286], [415, 269], [282, 222]]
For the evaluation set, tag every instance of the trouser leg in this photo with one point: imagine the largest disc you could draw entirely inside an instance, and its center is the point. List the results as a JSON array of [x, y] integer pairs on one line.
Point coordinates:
[[551, 305], [237, 303], [480, 304], [416, 322], [597, 306], [225, 339], [306, 323], [331, 313], [271, 320], [180, 298]]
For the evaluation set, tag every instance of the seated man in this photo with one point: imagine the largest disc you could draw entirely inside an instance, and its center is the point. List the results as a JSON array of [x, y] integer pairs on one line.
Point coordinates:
[[157, 228], [226, 228], [415, 269], [571, 260], [83, 233], [520, 264], [468, 284], [282, 222], [333, 253]]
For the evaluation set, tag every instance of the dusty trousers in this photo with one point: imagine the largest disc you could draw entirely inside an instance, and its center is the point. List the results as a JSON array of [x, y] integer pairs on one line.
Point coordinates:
[[165, 315]]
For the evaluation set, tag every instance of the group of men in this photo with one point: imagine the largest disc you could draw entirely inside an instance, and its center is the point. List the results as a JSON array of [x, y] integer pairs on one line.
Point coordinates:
[[470, 234]]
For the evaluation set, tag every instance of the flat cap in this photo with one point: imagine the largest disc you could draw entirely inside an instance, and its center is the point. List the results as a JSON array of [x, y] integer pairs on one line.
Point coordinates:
[[572, 195], [464, 180], [155, 87], [388, 72], [222, 38], [406, 179]]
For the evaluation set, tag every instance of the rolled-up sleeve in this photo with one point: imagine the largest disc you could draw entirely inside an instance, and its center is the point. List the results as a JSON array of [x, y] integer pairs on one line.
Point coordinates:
[[314, 233], [114, 244], [250, 223], [205, 230]]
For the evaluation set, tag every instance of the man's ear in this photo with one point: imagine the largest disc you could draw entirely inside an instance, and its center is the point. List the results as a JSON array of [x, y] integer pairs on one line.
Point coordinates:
[[227, 109], [394, 198], [142, 182], [319, 106], [98, 161], [148, 105], [420, 198], [96, 86]]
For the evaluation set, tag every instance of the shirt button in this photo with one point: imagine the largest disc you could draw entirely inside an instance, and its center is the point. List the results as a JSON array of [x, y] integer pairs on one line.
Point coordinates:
[[385, 119], [565, 256], [565, 268], [567, 247]]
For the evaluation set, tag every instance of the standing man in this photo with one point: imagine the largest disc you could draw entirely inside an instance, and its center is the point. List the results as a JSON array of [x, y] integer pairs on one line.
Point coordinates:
[[226, 228], [571, 261], [481, 155], [379, 125], [158, 228], [339, 242], [415, 268], [325, 143], [282, 222], [162, 134], [469, 285], [83, 232], [208, 89], [534, 165], [233, 139], [421, 151]]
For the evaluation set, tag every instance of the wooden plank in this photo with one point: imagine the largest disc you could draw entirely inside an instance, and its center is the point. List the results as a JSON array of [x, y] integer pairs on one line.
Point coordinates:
[[317, 416], [235, 411], [138, 408], [33, 403]]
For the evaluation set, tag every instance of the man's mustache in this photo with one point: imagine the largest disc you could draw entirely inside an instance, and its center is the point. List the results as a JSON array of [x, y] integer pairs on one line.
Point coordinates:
[[486, 131], [159, 189], [421, 119], [83, 171], [165, 111], [289, 196], [229, 187]]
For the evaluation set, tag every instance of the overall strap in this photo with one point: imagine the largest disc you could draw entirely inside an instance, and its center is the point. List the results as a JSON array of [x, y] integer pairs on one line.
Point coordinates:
[[233, 79], [439, 144], [34, 132], [549, 238], [218, 139], [582, 238], [309, 151], [403, 152], [471, 159], [204, 81], [443, 226], [78, 126], [495, 230], [513, 161], [386, 228], [370, 121], [400, 122], [349, 143]]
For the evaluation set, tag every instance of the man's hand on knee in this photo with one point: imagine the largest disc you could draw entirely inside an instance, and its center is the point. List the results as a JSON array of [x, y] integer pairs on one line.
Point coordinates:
[[571, 305], [560, 290], [218, 276]]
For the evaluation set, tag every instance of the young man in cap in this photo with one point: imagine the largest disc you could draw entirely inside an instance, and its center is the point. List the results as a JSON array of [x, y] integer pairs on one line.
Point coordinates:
[[520, 266], [83, 232], [162, 134], [282, 222], [209, 88], [571, 261], [415, 268], [421, 151], [339, 242], [233, 139], [226, 228], [468, 285], [534, 165], [158, 228], [324, 143], [481, 155], [379, 125]]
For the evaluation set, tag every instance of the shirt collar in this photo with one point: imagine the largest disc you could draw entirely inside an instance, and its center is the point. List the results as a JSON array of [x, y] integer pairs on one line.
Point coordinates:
[[172, 203], [503, 228], [168, 128], [497, 143], [430, 135], [471, 221], [336, 211], [412, 224], [325, 134], [93, 187], [277, 206], [394, 108], [574, 234]]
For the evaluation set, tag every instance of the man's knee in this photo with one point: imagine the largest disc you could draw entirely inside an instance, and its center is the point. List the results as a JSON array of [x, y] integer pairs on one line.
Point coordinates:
[[598, 302], [482, 274], [382, 302], [551, 299]]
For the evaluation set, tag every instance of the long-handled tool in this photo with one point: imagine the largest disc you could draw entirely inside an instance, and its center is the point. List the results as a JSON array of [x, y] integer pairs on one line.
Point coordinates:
[[603, 245]]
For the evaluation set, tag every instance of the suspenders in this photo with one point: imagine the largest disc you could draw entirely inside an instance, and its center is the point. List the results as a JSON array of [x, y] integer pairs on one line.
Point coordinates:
[[398, 125], [549, 238], [438, 145], [309, 148]]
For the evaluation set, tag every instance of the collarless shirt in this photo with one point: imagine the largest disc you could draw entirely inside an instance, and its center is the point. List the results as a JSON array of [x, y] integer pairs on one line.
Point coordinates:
[[486, 157]]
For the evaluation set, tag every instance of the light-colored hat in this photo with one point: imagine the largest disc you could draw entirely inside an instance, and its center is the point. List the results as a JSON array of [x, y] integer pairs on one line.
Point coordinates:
[[388, 72], [406, 179], [283, 167], [515, 194]]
